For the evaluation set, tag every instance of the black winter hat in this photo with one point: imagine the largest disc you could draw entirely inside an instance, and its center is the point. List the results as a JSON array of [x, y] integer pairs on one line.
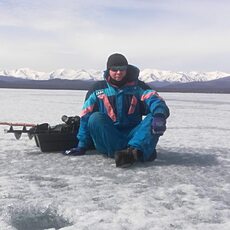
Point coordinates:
[[116, 60]]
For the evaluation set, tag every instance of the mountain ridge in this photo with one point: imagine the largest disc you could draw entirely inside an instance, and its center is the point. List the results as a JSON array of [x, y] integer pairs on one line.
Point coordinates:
[[162, 81], [146, 75], [221, 85]]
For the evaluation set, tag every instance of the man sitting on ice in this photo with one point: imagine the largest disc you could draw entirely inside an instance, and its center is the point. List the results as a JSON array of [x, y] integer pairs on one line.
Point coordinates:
[[112, 114]]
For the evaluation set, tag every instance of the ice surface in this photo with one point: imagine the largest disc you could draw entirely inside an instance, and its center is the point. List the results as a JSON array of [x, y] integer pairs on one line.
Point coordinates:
[[187, 187]]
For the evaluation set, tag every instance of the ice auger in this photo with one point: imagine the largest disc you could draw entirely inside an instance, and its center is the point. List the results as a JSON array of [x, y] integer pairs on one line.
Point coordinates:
[[48, 138]]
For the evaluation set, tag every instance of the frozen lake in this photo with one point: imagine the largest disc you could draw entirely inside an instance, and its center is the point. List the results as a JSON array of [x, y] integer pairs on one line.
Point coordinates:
[[187, 187]]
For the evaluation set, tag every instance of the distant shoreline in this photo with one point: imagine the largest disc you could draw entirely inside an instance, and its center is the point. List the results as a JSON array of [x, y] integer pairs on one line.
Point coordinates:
[[219, 86], [157, 89]]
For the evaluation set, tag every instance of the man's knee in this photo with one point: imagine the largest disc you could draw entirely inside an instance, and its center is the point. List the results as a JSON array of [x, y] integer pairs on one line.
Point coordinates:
[[98, 118], [94, 117]]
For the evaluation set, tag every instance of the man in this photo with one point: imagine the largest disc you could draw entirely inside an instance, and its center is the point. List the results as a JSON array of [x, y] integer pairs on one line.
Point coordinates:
[[111, 118]]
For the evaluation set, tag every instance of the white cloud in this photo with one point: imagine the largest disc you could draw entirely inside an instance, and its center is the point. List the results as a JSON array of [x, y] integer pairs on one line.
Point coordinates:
[[50, 34]]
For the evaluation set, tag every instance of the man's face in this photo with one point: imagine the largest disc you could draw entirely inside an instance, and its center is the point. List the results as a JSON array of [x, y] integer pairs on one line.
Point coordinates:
[[118, 73]]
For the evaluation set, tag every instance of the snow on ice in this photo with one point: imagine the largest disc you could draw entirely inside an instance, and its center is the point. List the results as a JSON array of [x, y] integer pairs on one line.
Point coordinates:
[[187, 187]]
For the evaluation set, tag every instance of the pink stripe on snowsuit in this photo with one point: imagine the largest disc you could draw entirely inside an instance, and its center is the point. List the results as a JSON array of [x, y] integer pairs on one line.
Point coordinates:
[[87, 110], [132, 105], [108, 106], [150, 94]]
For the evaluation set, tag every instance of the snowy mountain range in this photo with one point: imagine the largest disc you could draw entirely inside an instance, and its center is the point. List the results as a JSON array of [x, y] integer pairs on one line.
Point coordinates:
[[168, 81], [146, 75]]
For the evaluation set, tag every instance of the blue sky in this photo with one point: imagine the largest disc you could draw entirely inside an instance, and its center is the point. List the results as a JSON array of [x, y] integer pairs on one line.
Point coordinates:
[[178, 35]]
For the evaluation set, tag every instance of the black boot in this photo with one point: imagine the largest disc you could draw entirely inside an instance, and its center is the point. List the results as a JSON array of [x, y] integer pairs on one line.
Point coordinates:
[[126, 157], [153, 156]]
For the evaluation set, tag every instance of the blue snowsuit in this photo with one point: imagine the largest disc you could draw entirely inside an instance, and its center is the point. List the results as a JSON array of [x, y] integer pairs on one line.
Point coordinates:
[[111, 117]]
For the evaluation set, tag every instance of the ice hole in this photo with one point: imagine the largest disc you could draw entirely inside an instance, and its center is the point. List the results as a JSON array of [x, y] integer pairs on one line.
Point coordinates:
[[37, 219]]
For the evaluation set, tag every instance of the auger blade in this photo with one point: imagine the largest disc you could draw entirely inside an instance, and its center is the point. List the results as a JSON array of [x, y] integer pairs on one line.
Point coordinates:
[[30, 135], [17, 135]]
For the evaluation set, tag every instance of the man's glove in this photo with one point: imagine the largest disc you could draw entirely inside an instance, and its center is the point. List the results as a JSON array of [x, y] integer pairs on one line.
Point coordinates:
[[158, 124], [75, 152]]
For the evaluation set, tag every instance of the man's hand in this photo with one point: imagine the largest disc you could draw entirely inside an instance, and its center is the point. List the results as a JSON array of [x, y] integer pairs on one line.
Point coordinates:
[[159, 124], [75, 152]]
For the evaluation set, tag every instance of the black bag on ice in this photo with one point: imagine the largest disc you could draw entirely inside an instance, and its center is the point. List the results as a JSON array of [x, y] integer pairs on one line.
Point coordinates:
[[57, 138]]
